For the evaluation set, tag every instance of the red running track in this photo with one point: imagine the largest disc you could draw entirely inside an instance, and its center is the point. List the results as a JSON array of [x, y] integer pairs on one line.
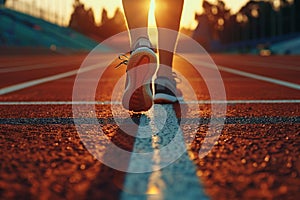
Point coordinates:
[[252, 160]]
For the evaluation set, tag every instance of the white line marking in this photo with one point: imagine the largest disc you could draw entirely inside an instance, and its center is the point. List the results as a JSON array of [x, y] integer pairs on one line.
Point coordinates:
[[245, 101], [251, 75], [283, 101], [27, 84], [169, 156], [260, 77]]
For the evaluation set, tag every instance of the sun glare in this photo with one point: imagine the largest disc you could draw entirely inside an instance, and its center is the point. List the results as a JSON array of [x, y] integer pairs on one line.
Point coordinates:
[[65, 8], [152, 24], [151, 18]]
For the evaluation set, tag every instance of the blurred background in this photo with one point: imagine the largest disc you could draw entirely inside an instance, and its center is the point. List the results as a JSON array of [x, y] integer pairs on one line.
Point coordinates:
[[228, 26]]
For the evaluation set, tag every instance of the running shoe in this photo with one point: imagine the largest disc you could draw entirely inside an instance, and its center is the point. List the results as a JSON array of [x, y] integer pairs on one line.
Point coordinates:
[[166, 91], [141, 67]]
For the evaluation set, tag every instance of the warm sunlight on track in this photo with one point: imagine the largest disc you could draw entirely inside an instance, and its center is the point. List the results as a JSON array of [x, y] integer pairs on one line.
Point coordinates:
[[64, 8]]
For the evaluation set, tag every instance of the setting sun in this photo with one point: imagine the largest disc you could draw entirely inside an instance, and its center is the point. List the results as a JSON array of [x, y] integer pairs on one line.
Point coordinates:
[[62, 10]]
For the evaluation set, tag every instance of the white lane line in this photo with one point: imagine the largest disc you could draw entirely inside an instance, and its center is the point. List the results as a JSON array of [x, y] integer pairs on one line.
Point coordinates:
[[245, 101], [172, 174], [31, 83], [37, 66], [283, 101], [261, 78], [251, 75]]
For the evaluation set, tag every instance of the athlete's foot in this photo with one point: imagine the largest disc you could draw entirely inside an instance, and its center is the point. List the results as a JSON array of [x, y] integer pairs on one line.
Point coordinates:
[[141, 67], [166, 91]]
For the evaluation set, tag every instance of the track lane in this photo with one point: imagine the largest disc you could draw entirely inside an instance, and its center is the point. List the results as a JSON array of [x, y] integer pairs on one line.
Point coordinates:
[[234, 90], [280, 73], [23, 61], [236, 168]]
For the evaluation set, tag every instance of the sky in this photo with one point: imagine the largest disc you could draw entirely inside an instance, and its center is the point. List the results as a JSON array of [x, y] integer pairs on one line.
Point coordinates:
[[64, 8]]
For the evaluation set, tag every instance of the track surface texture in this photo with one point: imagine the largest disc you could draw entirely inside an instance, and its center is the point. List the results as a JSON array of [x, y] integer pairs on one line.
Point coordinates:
[[257, 155]]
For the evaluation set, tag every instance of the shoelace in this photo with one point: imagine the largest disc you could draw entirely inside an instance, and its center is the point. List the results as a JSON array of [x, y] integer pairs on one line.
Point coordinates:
[[124, 60], [176, 78], [139, 43]]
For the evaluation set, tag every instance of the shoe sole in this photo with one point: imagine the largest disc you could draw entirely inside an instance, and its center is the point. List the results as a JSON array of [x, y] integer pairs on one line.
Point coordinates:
[[161, 98], [140, 70]]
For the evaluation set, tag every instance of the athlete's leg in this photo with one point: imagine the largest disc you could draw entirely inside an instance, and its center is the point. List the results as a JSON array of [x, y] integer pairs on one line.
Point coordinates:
[[168, 15], [136, 13], [141, 65]]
